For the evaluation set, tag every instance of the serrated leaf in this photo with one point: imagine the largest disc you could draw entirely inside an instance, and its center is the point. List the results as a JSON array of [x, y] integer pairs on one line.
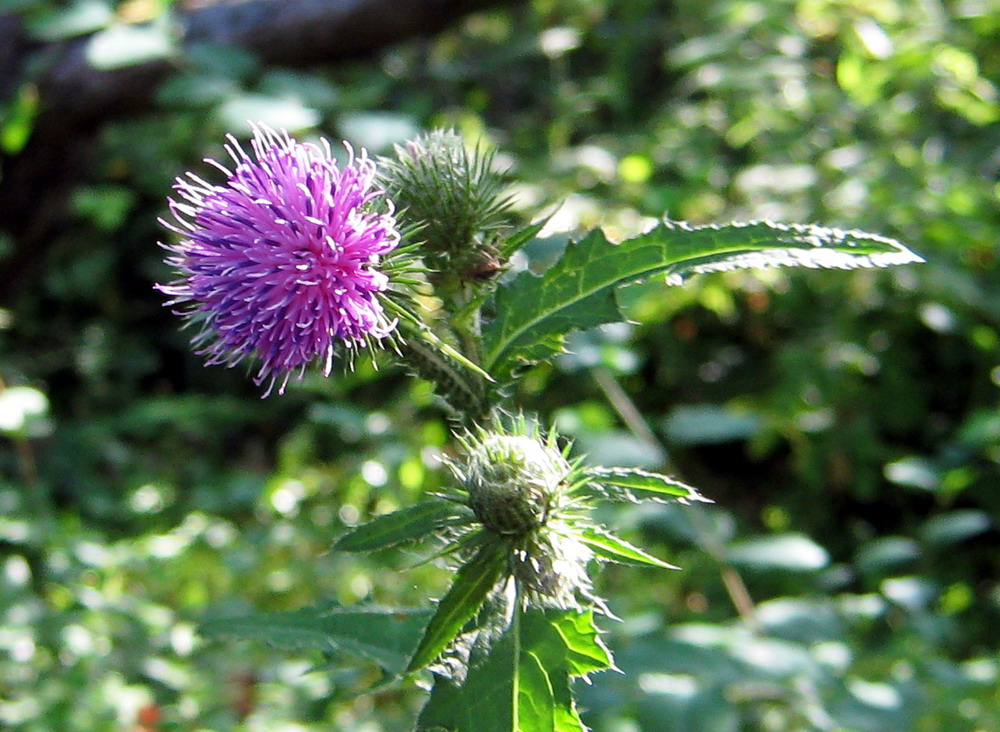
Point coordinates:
[[586, 652], [407, 524], [522, 682], [473, 582], [535, 313], [618, 550], [383, 635], [631, 485], [486, 700]]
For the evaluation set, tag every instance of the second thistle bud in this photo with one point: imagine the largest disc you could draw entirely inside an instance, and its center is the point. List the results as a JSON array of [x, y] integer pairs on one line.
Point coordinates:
[[514, 482], [524, 492], [452, 197]]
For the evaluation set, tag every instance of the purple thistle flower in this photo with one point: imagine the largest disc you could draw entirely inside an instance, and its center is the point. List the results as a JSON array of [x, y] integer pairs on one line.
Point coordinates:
[[281, 262]]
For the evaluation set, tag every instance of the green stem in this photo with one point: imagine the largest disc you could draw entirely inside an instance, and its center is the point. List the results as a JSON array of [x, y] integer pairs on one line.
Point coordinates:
[[461, 389], [422, 331], [469, 330], [458, 378], [515, 628]]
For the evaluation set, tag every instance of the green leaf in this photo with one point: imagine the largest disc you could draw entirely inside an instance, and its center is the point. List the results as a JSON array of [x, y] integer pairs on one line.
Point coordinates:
[[79, 18], [408, 524], [586, 652], [123, 45], [18, 119], [278, 111], [521, 683], [23, 412], [386, 636], [619, 550], [535, 313], [955, 526], [709, 424], [631, 485], [467, 593], [790, 552]]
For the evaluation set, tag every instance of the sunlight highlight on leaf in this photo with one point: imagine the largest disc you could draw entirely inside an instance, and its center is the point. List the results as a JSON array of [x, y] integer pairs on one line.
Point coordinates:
[[534, 314]]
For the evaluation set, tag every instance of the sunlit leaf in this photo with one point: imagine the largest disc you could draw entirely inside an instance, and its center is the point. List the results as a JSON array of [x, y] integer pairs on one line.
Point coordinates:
[[280, 112], [586, 652], [23, 410], [407, 524], [521, 683], [473, 582], [618, 550], [534, 314], [79, 18], [633, 485], [128, 45], [709, 424], [887, 554], [377, 131], [385, 636], [955, 526], [791, 552], [803, 620], [618, 447]]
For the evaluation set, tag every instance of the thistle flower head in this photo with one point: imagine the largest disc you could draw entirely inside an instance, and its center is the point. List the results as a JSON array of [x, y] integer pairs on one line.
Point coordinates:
[[282, 261], [521, 526]]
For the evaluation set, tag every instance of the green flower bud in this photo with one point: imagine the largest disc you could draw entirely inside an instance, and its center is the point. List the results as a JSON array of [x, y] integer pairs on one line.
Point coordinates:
[[514, 482], [521, 489], [450, 198]]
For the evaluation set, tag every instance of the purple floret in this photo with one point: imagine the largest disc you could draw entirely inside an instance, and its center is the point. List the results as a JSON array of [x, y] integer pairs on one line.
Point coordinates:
[[282, 262]]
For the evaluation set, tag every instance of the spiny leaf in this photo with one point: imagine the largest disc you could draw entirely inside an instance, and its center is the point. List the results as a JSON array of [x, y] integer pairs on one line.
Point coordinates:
[[467, 593], [631, 485], [586, 651], [619, 550], [486, 700], [521, 683], [383, 635], [535, 313], [407, 524]]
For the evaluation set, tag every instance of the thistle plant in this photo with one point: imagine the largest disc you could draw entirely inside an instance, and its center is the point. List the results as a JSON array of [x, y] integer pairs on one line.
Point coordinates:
[[295, 258]]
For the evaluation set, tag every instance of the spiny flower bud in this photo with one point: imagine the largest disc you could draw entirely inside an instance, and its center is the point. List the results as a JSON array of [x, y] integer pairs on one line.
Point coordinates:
[[522, 490], [451, 196], [514, 482]]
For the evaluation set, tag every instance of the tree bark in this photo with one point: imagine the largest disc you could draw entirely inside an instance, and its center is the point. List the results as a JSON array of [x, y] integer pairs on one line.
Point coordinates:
[[76, 99]]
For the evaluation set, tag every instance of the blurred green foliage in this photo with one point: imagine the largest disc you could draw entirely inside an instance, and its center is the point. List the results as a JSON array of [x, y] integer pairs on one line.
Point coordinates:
[[846, 424]]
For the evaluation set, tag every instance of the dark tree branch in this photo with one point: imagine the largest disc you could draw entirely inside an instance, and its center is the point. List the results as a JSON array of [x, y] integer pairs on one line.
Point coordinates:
[[77, 98]]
